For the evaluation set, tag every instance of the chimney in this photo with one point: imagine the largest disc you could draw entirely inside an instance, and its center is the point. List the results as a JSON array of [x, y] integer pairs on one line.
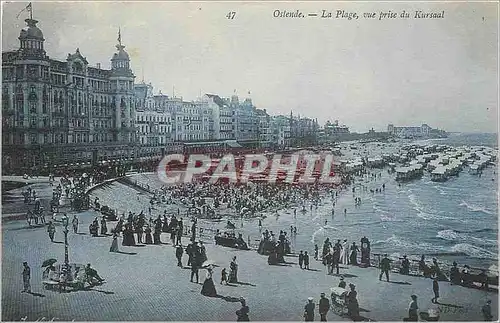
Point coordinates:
[[99, 65]]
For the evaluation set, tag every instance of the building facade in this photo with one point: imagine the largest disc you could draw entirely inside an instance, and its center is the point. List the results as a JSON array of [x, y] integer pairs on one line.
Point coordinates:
[[332, 129], [280, 132], [303, 131], [153, 123], [264, 128], [191, 121], [423, 131], [56, 112]]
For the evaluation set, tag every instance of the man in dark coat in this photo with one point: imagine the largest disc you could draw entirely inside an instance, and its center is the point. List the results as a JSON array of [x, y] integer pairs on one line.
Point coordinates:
[[194, 269], [301, 259], [178, 254], [306, 261], [26, 278], [385, 266], [309, 310], [324, 307], [190, 252]]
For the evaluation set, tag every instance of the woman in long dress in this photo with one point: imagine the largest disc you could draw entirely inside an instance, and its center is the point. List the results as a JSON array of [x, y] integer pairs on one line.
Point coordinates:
[[104, 228], [233, 274], [164, 227], [352, 302], [114, 244], [149, 238], [208, 288]]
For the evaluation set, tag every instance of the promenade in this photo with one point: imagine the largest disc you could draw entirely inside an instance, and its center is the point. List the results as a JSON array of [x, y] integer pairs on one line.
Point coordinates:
[[143, 283]]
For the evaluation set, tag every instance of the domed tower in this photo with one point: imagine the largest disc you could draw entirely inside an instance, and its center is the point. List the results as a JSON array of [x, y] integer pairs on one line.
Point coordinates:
[[122, 83], [31, 85], [31, 40]]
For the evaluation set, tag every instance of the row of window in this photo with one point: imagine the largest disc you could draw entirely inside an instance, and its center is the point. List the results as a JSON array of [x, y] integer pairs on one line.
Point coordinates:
[[152, 118], [161, 129]]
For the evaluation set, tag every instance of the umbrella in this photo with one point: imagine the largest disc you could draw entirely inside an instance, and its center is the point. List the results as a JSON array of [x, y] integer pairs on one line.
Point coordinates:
[[208, 263], [49, 262]]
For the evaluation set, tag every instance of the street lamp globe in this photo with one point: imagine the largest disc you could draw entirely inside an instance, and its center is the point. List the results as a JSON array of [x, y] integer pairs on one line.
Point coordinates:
[[65, 220]]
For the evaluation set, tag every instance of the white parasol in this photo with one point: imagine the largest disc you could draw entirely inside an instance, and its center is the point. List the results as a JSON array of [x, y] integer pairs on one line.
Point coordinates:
[[208, 263]]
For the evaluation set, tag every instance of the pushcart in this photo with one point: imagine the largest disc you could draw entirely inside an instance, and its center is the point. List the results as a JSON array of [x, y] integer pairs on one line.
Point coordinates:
[[338, 303]]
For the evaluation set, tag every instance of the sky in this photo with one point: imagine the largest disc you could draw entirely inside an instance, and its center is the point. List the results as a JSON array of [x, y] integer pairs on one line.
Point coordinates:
[[363, 72]]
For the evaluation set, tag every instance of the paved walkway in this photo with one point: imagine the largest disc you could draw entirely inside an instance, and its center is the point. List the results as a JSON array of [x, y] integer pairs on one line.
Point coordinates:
[[144, 284]]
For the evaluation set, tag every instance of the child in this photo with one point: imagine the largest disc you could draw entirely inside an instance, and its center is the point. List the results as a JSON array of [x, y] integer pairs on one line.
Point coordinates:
[[223, 276], [435, 288]]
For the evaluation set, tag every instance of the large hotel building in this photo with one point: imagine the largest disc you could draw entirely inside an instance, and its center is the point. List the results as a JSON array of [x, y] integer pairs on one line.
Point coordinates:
[[62, 111], [68, 113]]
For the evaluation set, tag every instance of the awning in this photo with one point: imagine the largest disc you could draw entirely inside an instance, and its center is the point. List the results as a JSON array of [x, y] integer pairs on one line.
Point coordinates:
[[233, 144]]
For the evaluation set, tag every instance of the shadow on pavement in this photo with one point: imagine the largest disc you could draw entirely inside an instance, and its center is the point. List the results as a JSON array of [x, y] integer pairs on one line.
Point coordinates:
[[363, 319], [228, 298], [36, 294], [57, 241], [313, 269], [27, 227], [137, 245], [449, 305], [345, 275], [246, 284], [81, 233], [399, 283], [126, 253]]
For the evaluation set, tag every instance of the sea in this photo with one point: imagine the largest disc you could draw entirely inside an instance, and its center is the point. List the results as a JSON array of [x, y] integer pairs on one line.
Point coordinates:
[[456, 220]]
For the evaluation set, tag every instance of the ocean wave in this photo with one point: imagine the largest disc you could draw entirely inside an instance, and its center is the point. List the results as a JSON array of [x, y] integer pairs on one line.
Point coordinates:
[[448, 235], [431, 216], [358, 223], [473, 251], [475, 208], [452, 235], [477, 230], [407, 246]]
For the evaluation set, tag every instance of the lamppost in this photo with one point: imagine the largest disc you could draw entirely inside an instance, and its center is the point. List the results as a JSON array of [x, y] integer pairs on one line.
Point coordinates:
[[67, 269]]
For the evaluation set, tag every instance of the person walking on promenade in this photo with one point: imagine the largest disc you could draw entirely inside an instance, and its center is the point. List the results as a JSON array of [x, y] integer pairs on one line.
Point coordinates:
[[385, 266], [26, 278], [194, 269], [405, 266], [352, 302], [147, 235], [51, 229], [139, 231], [435, 289], [306, 261], [208, 288], [223, 276], [104, 228], [316, 251], [114, 244], [412, 309], [75, 224], [233, 273], [309, 310], [242, 313], [344, 258], [486, 310], [353, 257], [301, 259], [324, 307], [178, 254]]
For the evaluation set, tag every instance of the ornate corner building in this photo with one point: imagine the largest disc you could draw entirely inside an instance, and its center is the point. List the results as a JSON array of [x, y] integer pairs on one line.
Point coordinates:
[[65, 112]]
